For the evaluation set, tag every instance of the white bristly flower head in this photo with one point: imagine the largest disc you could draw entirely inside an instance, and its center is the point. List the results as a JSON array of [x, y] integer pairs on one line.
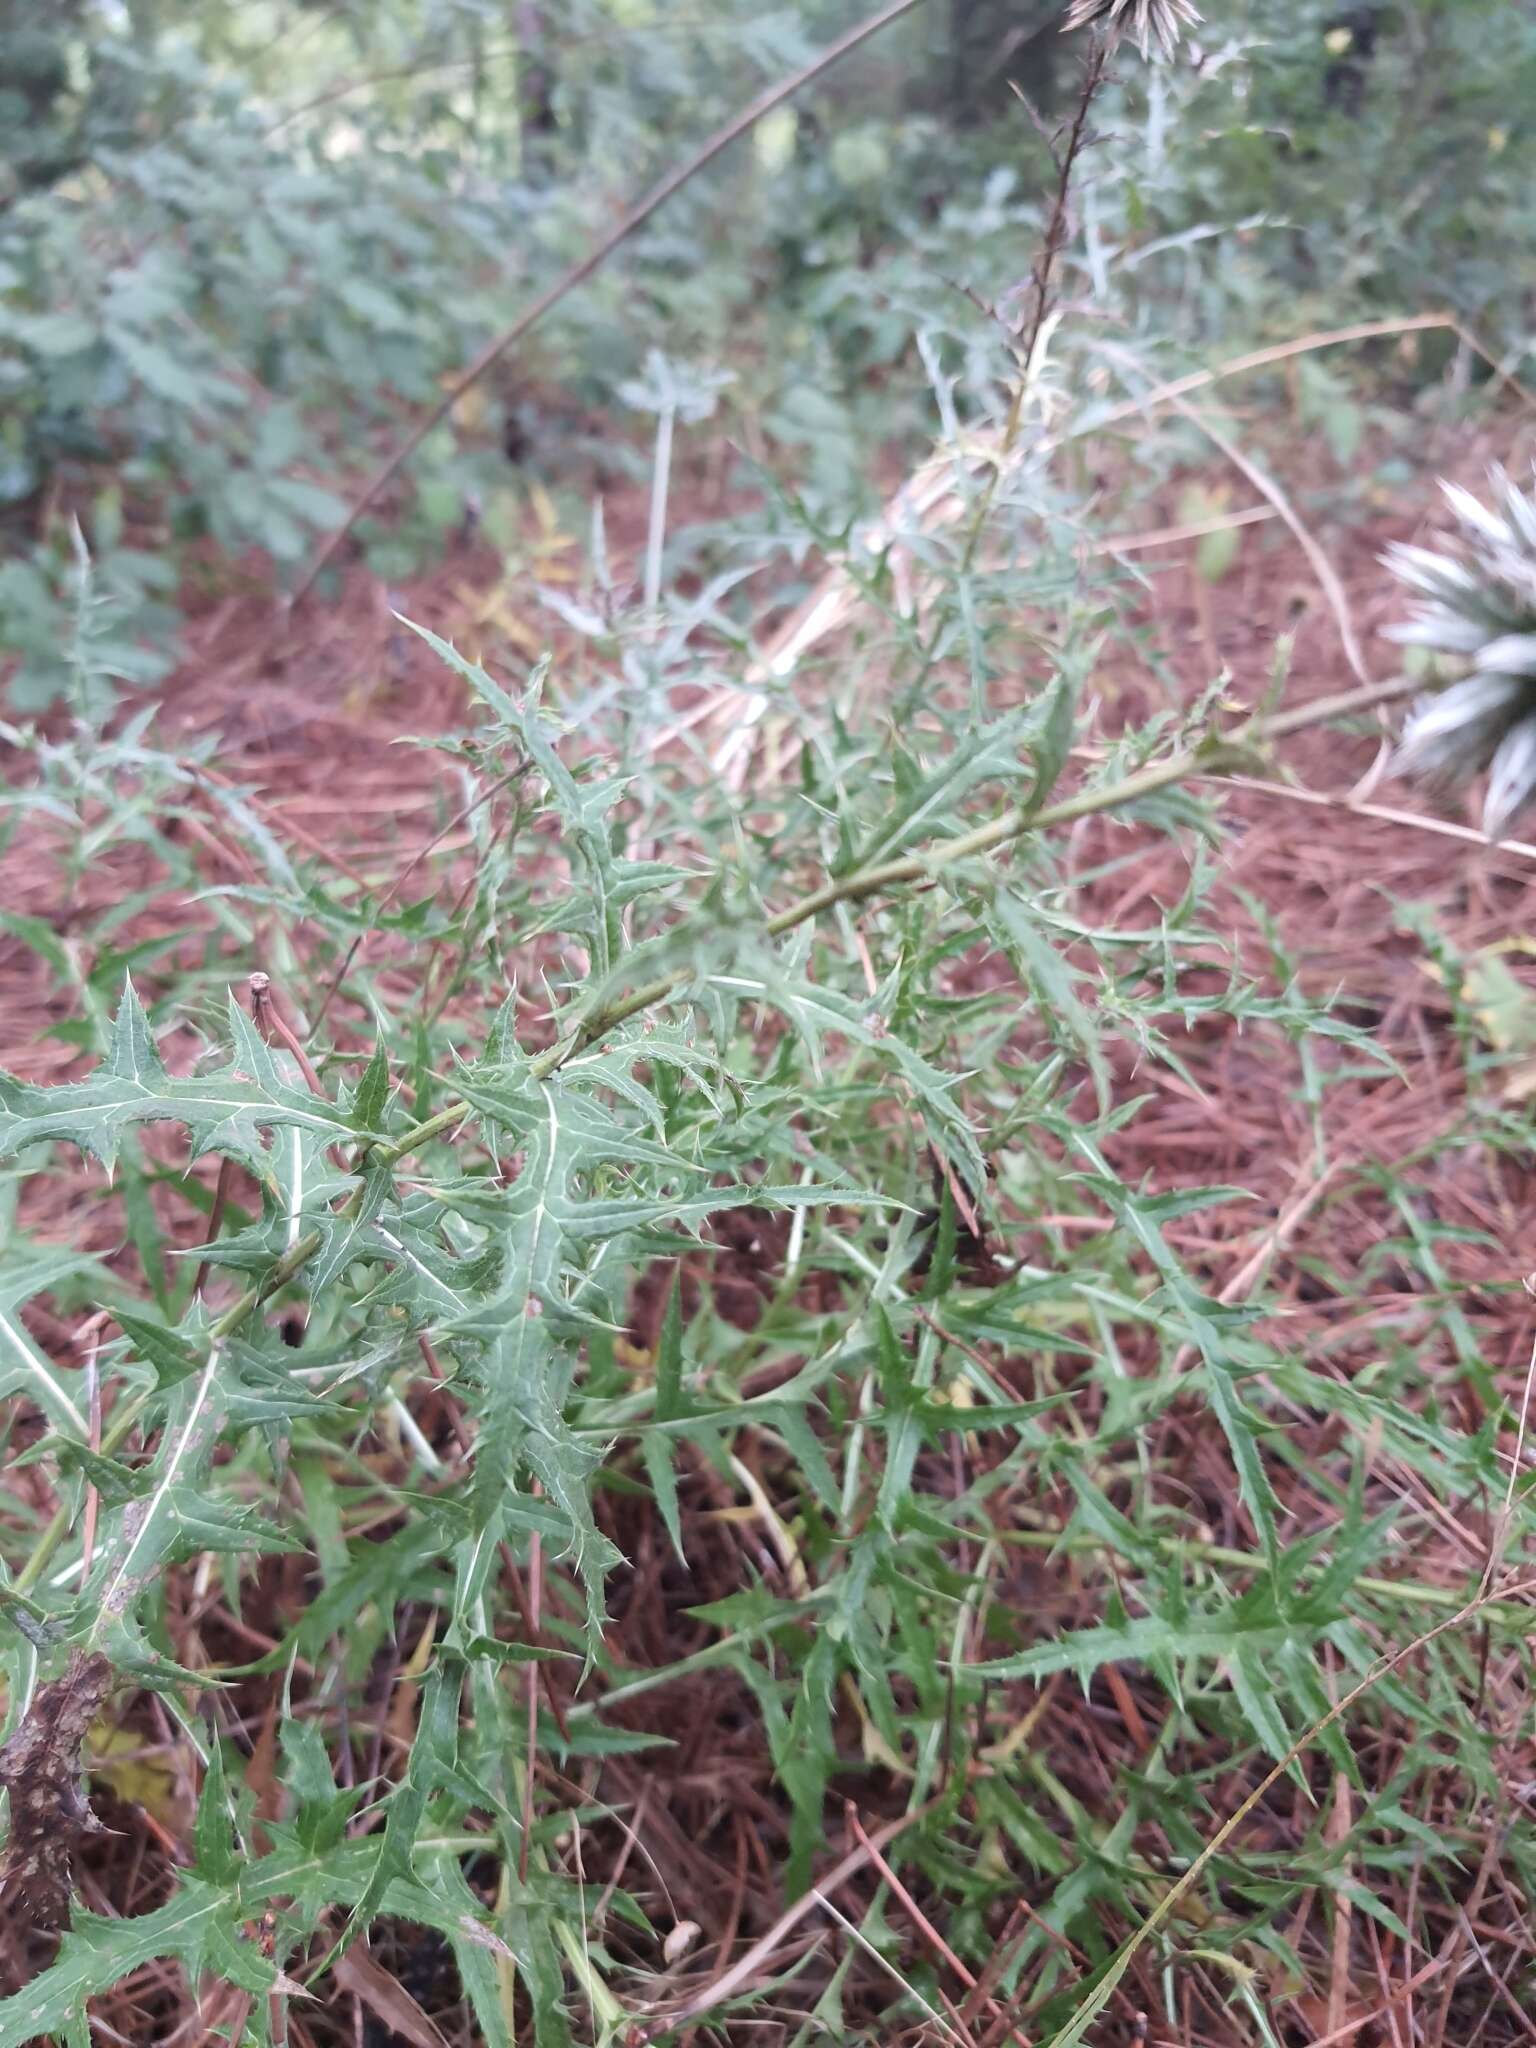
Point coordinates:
[[1477, 603], [1142, 19]]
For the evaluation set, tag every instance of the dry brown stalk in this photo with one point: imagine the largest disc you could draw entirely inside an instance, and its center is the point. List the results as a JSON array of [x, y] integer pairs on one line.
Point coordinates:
[[1327, 576], [579, 272], [1413, 820], [934, 497], [40, 1771], [762, 1952], [921, 1922]]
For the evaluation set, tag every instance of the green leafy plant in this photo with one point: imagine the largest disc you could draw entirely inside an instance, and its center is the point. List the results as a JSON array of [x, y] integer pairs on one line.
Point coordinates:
[[403, 1229], [414, 1376]]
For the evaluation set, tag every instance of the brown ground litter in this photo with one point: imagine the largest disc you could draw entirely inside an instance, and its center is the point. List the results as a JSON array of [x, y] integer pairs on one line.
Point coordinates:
[[307, 723]]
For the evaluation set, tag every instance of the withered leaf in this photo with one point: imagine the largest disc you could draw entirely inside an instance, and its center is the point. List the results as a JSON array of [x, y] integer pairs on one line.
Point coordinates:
[[40, 1769]]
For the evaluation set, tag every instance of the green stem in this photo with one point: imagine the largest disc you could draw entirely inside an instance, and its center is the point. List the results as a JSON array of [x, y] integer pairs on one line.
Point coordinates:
[[1406, 1591], [1216, 756], [12, 1596], [123, 1422], [1211, 757]]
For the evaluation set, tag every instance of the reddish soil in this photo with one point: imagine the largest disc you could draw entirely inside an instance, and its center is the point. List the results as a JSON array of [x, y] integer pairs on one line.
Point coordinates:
[[306, 714]]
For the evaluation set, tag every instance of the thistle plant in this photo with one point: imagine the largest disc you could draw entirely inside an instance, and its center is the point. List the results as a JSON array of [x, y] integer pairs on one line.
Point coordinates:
[[1477, 603], [888, 981], [1141, 19]]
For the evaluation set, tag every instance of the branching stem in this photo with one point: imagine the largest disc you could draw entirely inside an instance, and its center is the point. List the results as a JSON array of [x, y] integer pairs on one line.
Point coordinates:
[[1216, 755], [124, 1421], [1220, 754]]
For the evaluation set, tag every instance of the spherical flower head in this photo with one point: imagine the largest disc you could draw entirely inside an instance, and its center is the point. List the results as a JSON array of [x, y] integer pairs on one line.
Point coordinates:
[[1476, 602], [1142, 19]]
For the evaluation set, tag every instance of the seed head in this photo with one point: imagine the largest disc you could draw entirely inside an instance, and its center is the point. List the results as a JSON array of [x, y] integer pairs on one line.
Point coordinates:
[[1142, 19], [1476, 601]]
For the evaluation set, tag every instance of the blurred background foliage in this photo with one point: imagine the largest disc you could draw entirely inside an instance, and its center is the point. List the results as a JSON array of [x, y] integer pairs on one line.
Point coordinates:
[[239, 243], [243, 245]]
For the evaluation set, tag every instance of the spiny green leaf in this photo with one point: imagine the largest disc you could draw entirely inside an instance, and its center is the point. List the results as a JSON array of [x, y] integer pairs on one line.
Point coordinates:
[[818, 1013], [1084, 1650], [97, 1953], [172, 1355], [139, 1535], [431, 1760], [928, 801], [27, 1270], [226, 1112], [372, 1093], [615, 882], [1053, 982], [670, 1404], [213, 1838], [1239, 1429]]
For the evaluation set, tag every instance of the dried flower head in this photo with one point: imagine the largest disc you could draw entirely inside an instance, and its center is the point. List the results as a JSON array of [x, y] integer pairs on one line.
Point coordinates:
[[1143, 19], [1477, 602]]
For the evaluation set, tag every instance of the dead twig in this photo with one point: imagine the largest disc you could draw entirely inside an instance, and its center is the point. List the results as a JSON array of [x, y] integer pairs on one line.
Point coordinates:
[[920, 1920], [931, 499], [762, 1951], [1327, 576], [579, 272]]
